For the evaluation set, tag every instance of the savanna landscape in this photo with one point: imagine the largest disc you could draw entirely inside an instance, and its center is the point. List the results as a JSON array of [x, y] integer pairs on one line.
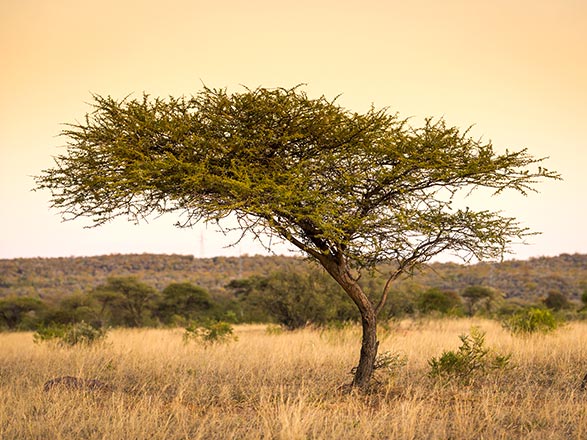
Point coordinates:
[[246, 361], [291, 385], [293, 220]]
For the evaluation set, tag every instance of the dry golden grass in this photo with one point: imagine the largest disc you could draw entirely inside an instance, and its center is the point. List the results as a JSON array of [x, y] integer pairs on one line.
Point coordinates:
[[285, 387]]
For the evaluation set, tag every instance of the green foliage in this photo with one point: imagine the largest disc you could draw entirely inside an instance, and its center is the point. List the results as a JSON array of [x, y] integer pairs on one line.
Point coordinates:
[[79, 333], [230, 316], [584, 301], [471, 360], [19, 312], [555, 300], [210, 332], [326, 179], [294, 298], [74, 308], [185, 300], [55, 278], [439, 301], [249, 302], [129, 301], [401, 303], [479, 299], [389, 363], [532, 320], [273, 329]]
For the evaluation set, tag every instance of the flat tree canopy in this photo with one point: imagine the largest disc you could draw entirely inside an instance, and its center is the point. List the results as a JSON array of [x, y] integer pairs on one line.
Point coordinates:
[[349, 190]]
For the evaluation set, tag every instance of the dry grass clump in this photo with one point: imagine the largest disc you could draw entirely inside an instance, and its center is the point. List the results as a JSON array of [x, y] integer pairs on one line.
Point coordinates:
[[284, 386]]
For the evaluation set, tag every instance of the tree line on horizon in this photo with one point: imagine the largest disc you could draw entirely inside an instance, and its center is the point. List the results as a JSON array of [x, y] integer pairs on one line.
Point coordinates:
[[293, 297], [50, 279]]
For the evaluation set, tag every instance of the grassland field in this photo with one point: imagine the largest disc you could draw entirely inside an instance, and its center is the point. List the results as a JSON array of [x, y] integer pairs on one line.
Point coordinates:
[[269, 385]]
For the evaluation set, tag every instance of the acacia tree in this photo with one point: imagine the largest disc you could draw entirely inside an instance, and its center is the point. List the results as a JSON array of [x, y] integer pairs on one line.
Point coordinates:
[[350, 190], [183, 299], [128, 299]]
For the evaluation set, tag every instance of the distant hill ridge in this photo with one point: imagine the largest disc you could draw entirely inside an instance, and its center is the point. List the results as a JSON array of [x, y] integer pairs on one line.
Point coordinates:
[[50, 278]]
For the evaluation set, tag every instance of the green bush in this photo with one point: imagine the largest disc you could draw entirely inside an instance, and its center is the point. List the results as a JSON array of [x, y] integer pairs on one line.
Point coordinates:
[[439, 301], [211, 332], [471, 360], [584, 301], [20, 313], [390, 363], [183, 300], [126, 301], [70, 335], [293, 298], [532, 320], [274, 329], [556, 300]]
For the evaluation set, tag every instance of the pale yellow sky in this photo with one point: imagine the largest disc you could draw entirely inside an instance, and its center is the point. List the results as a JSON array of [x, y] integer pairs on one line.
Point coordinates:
[[517, 70]]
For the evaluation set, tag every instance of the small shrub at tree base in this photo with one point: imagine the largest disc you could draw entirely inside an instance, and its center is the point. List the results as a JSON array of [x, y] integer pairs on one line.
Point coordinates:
[[70, 335], [532, 320], [388, 364], [471, 360], [208, 333]]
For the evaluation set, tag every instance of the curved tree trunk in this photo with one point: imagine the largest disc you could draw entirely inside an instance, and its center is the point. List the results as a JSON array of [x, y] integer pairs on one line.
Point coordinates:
[[369, 344]]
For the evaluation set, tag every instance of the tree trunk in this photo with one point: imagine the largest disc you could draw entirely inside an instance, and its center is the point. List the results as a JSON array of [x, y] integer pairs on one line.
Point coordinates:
[[369, 344]]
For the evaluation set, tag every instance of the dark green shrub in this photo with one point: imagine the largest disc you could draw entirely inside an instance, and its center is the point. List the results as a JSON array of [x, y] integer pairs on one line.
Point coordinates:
[[183, 300], [532, 320], [79, 333], [479, 299], [20, 312], [293, 298], [274, 329], [435, 300], [400, 303], [211, 332], [128, 301], [584, 300], [73, 308], [556, 300], [471, 360]]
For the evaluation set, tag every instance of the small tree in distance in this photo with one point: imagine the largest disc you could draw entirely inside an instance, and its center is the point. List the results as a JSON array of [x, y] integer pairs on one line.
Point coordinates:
[[476, 296], [436, 300], [128, 298], [349, 190], [185, 300]]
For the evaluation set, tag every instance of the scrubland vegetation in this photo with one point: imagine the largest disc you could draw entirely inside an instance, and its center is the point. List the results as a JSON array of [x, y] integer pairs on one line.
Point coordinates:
[[268, 351], [153, 291], [53, 278], [290, 385]]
